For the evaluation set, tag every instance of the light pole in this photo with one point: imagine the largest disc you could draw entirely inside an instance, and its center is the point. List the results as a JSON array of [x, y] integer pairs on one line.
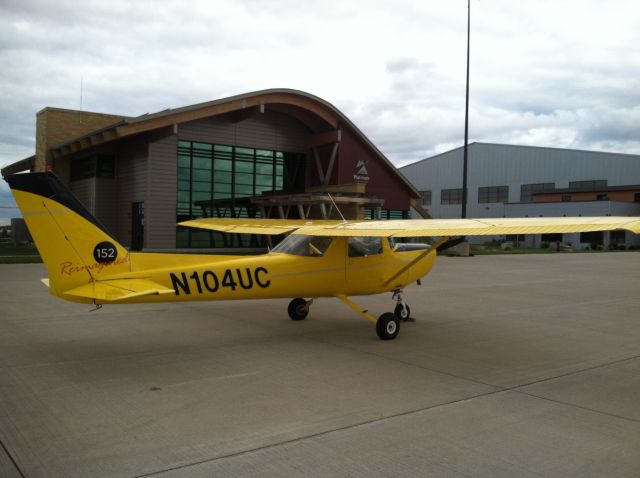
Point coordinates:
[[466, 119]]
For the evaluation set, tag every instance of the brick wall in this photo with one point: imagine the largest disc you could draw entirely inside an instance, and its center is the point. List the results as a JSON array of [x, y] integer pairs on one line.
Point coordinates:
[[55, 125]]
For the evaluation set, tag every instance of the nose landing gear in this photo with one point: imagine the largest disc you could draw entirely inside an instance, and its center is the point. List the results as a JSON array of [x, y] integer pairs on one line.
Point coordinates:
[[402, 310]]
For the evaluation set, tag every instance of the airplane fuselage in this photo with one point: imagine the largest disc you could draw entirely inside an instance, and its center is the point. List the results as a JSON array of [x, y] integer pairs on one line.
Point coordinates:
[[272, 275]]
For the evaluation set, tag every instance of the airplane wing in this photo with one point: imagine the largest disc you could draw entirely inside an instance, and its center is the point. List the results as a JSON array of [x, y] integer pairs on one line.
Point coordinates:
[[119, 289], [420, 227], [254, 226]]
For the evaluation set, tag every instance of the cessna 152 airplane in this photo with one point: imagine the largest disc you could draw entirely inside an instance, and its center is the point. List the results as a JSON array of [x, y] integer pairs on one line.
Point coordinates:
[[316, 259]]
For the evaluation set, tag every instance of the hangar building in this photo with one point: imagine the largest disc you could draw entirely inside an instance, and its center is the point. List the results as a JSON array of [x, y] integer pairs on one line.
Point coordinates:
[[525, 181], [273, 153]]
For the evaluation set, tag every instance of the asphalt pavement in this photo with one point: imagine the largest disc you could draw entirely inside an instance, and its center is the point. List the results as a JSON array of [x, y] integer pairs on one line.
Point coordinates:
[[521, 366]]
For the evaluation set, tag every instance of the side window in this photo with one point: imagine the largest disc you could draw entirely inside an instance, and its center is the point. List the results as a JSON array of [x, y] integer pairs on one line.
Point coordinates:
[[365, 246], [318, 246]]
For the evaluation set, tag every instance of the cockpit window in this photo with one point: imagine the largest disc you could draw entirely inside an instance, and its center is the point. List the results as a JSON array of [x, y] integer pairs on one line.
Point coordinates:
[[302, 245], [403, 245], [365, 246]]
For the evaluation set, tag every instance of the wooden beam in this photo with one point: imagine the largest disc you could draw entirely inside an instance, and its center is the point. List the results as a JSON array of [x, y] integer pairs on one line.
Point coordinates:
[[109, 135], [333, 136], [318, 165], [334, 152], [416, 204]]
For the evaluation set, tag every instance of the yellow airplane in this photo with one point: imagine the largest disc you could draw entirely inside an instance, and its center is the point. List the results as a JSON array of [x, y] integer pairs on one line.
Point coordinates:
[[316, 259]]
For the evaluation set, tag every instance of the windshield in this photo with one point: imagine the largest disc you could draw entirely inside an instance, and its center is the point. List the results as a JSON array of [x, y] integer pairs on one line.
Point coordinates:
[[302, 245]]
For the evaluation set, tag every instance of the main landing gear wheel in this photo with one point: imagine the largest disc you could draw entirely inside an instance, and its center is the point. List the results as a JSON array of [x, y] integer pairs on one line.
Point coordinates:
[[403, 313], [388, 326], [298, 309]]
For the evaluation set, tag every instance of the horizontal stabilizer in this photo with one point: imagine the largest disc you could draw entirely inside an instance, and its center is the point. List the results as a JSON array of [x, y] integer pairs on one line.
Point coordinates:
[[118, 289]]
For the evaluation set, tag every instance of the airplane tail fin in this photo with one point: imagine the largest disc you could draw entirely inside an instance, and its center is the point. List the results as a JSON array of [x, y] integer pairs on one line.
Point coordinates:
[[75, 247]]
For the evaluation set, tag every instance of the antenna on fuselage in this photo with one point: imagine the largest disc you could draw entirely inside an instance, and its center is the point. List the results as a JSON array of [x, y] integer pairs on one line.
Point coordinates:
[[337, 208]]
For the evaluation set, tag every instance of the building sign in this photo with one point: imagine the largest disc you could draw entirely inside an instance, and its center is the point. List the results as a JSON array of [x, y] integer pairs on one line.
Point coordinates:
[[361, 175]]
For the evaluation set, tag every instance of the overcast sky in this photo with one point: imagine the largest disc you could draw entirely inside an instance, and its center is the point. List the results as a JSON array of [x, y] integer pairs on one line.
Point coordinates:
[[561, 73]]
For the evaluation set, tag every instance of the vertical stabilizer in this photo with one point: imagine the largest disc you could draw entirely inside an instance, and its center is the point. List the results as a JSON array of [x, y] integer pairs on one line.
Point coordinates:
[[75, 247]]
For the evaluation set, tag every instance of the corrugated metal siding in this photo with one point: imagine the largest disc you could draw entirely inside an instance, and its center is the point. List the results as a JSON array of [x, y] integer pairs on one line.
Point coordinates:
[[513, 166], [131, 171], [160, 208], [270, 130]]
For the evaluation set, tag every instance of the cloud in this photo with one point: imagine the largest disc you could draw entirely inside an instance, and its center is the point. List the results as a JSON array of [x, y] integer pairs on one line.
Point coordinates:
[[564, 74]]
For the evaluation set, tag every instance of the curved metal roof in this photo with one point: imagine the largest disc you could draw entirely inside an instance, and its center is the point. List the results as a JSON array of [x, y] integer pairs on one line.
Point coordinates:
[[319, 115]]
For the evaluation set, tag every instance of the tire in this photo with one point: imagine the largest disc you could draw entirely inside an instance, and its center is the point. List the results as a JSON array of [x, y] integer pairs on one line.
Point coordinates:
[[298, 309], [388, 326], [403, 313]]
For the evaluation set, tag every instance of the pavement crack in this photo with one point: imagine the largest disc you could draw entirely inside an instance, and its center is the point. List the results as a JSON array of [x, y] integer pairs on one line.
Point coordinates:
[[317, 435], [13, 461]]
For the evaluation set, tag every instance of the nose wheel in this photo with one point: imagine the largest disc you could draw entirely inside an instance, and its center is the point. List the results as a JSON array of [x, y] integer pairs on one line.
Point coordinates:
[[402, 310]]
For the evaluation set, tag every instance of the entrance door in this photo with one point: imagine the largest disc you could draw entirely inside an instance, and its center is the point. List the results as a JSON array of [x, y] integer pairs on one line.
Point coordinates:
[[137, 226]]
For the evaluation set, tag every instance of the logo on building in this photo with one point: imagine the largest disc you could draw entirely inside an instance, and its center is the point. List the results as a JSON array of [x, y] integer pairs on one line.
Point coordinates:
[[361, 171]]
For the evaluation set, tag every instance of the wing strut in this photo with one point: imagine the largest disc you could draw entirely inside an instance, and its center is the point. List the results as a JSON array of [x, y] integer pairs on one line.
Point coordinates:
[[416, 260]]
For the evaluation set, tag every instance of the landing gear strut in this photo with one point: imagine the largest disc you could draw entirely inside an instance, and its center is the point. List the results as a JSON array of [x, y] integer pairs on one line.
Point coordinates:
[[387, 325], [402, 310]]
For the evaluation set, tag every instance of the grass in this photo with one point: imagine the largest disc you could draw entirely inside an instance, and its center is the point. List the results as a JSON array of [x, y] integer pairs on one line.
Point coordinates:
[[21, 254]]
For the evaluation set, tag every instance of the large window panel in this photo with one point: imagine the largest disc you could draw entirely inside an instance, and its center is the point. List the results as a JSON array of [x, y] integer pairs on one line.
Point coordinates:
[[451, 196], [217, 180], [492, 194]]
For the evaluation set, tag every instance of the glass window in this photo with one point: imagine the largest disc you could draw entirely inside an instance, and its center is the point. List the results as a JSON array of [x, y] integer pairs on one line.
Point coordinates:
[[200, 196], [184, 161], [223, 164], [426, 197], [222, 177], [201, 175], [210, 172], [244, 178], [201, 163], [302, 245], [264, 168], [202, 146], [593, 184], [528, 190], [222, 187], [221, 148], [451, 196], [493, 194], [364, 246], [199, 186], [244, 167]]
